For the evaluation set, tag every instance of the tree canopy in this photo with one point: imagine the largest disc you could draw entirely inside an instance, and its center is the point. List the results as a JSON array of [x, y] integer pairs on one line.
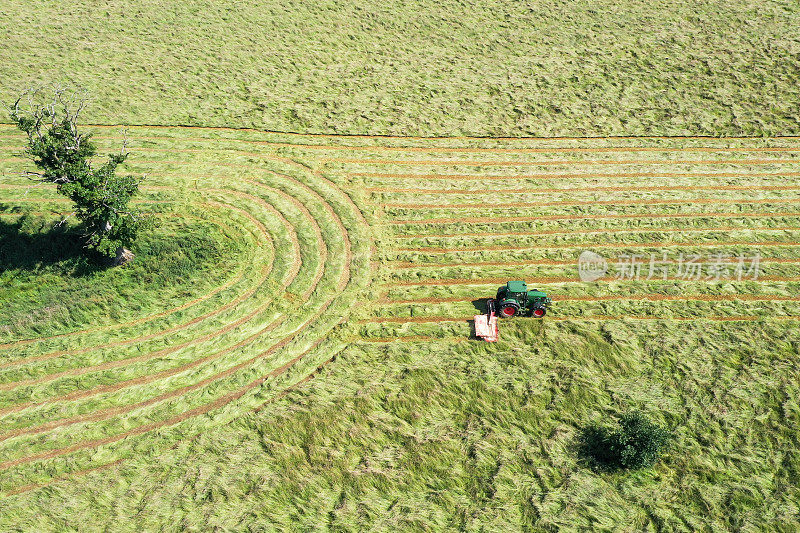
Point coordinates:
[[63, 156]]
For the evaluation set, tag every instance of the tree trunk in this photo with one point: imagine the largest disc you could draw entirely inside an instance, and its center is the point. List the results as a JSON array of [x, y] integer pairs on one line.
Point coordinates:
[[123, 256]]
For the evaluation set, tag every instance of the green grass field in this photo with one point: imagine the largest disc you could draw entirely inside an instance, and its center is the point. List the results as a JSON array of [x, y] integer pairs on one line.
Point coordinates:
[[311, 367], [421, 67], [291, 349]]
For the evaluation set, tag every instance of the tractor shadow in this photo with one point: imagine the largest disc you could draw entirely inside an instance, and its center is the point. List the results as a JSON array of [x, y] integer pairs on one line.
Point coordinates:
[[480, 306], [473, 336], [31, 243]]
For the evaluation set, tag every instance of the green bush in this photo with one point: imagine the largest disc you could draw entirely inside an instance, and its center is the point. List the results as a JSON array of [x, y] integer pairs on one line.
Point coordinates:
[[635, 443]]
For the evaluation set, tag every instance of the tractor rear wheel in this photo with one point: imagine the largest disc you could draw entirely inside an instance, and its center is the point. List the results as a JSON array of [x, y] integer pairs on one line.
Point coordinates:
[[540, 312], [508, 309]]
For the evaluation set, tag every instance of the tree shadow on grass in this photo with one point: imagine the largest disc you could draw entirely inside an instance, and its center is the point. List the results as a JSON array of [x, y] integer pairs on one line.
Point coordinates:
[[30, 243]]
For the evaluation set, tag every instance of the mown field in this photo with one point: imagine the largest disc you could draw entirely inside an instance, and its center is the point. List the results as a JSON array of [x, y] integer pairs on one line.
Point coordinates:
[[311, 365], [541, 68]]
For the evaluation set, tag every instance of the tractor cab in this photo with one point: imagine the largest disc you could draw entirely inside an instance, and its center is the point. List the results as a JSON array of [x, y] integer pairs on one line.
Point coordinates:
[[514, 299]]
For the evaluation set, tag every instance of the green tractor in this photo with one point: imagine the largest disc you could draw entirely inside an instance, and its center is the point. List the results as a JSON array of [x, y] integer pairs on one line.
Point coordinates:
[[514, 299]]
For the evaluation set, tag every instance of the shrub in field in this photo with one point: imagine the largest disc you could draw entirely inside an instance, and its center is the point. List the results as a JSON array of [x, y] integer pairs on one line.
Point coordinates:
[[635, 443], [62, 155]]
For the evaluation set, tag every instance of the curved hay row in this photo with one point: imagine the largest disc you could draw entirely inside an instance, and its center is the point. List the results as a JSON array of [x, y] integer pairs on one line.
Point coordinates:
[[229, 397], [291, 275], [142, 320], [266, 239], [344, 280]]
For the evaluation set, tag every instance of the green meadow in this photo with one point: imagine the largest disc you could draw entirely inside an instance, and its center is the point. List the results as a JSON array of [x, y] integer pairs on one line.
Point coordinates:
[[291, 349], [419, 67]]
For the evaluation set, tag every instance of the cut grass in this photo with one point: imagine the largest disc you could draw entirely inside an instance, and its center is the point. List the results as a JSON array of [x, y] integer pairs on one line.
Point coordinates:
[[398, 446], [416, 425], [104, 395]]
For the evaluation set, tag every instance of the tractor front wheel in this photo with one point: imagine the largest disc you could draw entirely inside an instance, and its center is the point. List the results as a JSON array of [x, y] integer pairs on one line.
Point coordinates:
[[508, 310], [540, 312]]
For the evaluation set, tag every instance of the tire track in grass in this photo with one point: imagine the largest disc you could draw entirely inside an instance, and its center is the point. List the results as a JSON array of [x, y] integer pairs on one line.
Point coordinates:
[[344, 280], [551, 262], [631, 188], [486, 220], [619, 202], [653, 297], [587, 175], [383, 138], [565, 162], [264, 276], [656, 229], [543, 280], [655, 244], [466, 319], [466, 149]]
